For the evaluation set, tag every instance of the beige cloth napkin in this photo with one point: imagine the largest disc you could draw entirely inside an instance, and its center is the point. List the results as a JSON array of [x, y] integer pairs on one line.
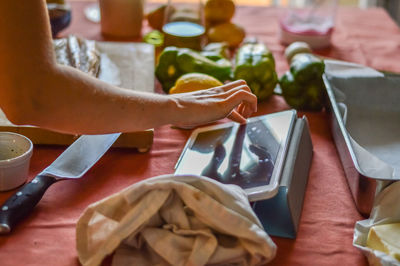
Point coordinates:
[[174, 220], [385, 211]]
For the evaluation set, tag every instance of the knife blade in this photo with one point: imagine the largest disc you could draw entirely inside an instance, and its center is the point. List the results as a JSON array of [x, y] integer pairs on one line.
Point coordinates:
[[73, 163]]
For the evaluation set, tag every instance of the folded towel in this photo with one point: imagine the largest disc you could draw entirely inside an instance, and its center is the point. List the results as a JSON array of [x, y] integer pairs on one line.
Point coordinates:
[[174, 220], [385, 211]]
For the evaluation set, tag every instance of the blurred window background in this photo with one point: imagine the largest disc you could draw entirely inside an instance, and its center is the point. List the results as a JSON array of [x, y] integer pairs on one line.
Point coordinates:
[[273, 2], [391, 6]]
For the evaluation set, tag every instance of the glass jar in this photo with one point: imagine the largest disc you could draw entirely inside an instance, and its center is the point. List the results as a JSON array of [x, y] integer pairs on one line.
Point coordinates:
[[310, 21], [184, 24]]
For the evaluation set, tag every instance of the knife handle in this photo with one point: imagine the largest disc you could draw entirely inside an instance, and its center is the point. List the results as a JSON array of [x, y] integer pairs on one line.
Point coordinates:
[[21, 204]]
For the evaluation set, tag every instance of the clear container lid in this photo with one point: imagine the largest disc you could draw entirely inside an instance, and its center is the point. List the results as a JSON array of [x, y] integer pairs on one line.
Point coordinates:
[[310, 21], [310, 17]]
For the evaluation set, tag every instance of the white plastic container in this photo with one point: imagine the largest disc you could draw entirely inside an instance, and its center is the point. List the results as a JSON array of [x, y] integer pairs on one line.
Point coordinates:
[[310, 21], [15, 154]]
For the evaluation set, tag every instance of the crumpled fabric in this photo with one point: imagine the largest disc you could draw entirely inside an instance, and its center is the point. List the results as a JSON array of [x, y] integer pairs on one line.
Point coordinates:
[[386, 210], [174, 220]]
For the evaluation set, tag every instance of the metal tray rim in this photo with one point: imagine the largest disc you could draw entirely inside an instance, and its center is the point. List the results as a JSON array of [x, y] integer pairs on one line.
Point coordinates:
[[343, 131]]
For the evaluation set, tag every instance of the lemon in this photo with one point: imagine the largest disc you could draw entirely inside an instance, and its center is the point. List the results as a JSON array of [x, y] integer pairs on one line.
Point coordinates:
[[194, 82], [219, 11], [228, 32]]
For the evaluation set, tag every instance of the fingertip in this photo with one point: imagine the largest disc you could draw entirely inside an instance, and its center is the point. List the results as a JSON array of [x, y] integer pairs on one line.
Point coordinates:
[[235, 116], [254, 104], [241, 108], [246, 111]]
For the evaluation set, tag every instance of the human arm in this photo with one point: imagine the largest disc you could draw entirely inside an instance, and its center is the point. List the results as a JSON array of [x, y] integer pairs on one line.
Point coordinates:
[[37, 91]]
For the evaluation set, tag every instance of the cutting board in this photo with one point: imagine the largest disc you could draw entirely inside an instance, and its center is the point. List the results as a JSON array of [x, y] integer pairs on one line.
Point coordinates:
[[127, 65]]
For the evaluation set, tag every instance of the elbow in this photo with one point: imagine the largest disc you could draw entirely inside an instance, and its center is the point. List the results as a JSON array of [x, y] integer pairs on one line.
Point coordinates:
[[24, 87], [17, 116], [10, 104], [20, 98], [17, 110]]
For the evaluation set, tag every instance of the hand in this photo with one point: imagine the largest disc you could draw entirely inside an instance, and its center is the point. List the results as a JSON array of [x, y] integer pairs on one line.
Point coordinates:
[[233, 100]]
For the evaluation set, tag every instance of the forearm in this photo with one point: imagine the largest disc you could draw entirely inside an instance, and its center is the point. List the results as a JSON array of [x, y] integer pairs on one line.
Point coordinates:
[[64, 99], [67, 100]]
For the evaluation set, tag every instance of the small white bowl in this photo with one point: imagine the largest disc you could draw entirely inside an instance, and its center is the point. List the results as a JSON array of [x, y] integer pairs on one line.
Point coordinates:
[[15, 154]]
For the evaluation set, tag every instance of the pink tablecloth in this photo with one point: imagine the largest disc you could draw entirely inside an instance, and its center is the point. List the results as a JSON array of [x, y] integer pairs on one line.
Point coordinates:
[[47, 237]]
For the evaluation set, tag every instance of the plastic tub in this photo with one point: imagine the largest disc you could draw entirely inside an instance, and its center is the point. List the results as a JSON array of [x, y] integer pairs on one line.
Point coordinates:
[[15, 154], [309, 21]]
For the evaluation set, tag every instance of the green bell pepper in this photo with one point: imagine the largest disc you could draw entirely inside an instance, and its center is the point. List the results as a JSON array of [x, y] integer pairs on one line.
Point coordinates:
[[174, 62], [167, 69], [216, 51], [256, 65], [190, 61], [302, 86]]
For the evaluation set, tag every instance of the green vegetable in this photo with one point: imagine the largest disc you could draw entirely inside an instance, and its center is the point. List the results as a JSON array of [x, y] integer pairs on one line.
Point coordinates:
[[190, 61], [174, 62], [302, 86], [167, 69], [216, 51], [256, 65], [155, 38]]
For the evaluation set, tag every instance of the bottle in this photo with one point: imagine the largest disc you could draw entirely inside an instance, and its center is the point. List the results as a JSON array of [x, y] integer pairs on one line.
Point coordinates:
[[121, 18]]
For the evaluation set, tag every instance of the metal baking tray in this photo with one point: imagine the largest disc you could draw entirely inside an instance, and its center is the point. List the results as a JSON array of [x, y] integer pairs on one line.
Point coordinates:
[[365, 124]]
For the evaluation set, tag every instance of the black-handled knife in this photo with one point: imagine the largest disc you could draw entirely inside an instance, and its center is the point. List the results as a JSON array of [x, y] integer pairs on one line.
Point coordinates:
[[73, 163]]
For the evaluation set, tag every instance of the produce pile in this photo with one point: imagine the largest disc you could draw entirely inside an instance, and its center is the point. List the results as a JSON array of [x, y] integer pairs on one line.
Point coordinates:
[[228, 56]]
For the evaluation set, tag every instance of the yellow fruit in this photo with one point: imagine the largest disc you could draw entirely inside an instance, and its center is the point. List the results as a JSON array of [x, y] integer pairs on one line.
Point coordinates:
[[230, 33], [194, 82], [219, 11]]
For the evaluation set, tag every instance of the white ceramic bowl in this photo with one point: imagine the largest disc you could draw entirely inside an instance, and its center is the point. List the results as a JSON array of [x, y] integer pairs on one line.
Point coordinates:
[[15, 154]]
